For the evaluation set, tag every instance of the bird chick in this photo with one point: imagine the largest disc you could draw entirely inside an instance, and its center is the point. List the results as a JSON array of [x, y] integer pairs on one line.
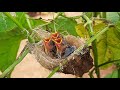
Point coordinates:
[[57, 47], [55, 36], [50, 47], [61, 46], [68, 50]]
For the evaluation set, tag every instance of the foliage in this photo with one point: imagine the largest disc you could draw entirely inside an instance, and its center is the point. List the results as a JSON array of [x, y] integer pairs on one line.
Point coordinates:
[[11, 36], [64, 24], [108, 43]]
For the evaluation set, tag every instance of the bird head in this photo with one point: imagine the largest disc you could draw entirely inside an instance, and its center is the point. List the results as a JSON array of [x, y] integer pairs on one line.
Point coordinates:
[[46, 41], [55, 44], [58, 42], [46, 44], [54, 35]]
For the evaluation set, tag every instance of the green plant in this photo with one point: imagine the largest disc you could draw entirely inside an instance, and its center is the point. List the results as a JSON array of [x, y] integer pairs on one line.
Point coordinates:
[[102, 34]]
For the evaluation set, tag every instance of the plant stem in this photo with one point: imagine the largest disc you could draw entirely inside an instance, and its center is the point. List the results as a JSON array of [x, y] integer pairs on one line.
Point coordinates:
[[56, 69], [103, 14], [91, 34], [118, 14], [95, 14], [97, 35], [9, 74], [20, 58], [92, 39], [28, 22], [14, 20], [80, 48], [108, 62], [96, 58], [53, 72]]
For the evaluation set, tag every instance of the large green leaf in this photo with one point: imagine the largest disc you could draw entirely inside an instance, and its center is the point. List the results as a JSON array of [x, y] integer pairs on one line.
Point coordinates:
[[21, 17], [5, 23], [64, 24], [108, 44], [11, 36], [8, 49]]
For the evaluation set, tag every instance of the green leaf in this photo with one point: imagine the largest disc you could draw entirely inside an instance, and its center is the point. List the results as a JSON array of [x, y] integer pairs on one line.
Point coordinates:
[[112, 16], [64, 24], [114, 74], [36, 22], [8, 24], [5, 23], [21, 17], [8, 50], [11, 36]]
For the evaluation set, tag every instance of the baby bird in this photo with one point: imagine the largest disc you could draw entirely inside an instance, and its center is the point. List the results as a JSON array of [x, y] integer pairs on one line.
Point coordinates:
[[61, 46], [55, 36], [68, 50], [57, 47], [50, 47]]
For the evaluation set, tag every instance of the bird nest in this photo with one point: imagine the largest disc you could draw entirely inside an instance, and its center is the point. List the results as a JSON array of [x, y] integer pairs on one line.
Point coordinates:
[[76, 64]]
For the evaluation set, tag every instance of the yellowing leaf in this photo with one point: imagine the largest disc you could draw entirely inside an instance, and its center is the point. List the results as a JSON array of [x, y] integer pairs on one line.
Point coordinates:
[[81, 31], [108, 44]]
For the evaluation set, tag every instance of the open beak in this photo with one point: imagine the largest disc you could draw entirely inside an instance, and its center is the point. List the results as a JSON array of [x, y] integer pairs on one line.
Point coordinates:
[[46, 42], [54, 35], [58, 42]]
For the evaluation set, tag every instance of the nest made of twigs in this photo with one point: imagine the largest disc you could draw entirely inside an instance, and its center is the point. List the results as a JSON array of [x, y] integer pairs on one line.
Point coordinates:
[[76, 64]]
